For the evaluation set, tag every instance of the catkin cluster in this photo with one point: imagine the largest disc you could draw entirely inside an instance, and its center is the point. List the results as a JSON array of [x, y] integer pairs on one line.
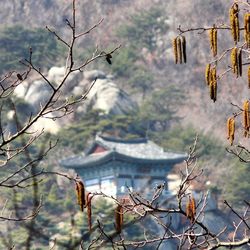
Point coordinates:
[[234, 22], [191, 209], [230, 129], [245, 115], [247, 29], [211, 80], [236, 61], [179, 49], [213, 40], [245, 123], [85, 202]]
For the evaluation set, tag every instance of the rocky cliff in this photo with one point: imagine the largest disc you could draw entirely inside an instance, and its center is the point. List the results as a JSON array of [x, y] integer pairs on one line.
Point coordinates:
[[105, 95]]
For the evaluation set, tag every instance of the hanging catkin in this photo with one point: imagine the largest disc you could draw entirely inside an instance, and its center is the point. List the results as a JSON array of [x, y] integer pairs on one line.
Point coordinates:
[[175, 49], [184, 49], [248, 76], [191, 209], [239, 61], [118, 218], [234, 60], [213, 40], [245, 114], [80, 192], [89, 210], [234, 22], [247, 29], [230, 129], [207, 74], [179, 49], [213, 84], [77, 193]]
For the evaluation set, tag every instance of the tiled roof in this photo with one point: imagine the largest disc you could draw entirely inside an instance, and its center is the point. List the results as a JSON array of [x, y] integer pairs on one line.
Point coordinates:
[[138, 148], [135, 150]]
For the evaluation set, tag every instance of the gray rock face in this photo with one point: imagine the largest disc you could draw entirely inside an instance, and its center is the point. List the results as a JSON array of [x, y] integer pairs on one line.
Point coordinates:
[[38, 93], [35, 93], [94, 74], [56, 75], [104, 95]]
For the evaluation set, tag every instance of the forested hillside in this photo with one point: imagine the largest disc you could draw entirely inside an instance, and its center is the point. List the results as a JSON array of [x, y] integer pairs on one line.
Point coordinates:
[[124, 22], [166, 102]]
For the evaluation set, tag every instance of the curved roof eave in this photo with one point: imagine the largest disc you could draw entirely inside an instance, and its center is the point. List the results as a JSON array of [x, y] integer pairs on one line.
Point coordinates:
[[99, 159]]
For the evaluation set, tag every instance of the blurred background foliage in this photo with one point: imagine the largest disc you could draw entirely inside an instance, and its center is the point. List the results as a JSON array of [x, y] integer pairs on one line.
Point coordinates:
[[159, 118]]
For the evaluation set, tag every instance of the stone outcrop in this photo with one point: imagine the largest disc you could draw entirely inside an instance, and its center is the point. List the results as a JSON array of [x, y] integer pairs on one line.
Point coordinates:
[[104, 94]]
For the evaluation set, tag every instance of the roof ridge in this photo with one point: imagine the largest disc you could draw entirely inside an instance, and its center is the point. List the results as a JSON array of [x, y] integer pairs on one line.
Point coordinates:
[[121, 140]]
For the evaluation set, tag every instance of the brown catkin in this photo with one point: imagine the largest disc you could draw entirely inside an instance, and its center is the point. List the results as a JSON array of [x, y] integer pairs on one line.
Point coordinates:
[[211, 91], [211, 39], [188, 211], [248, 76], [234, 22], [237, 28], [239, 61], [89, 210], [80, 191], [213, 84], [215, 89], [175, 49], [234, 60], [230, 129], [211, 78], [247, 29], [247, 22], [245, 114], [184, 49], [191, 209], [214, 41], [179, 49], [193, 206], [207, 74], [118, 218], [77, 193]]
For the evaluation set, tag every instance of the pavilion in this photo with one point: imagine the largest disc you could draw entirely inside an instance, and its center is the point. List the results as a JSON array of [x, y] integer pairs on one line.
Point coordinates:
[[113, 165]]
